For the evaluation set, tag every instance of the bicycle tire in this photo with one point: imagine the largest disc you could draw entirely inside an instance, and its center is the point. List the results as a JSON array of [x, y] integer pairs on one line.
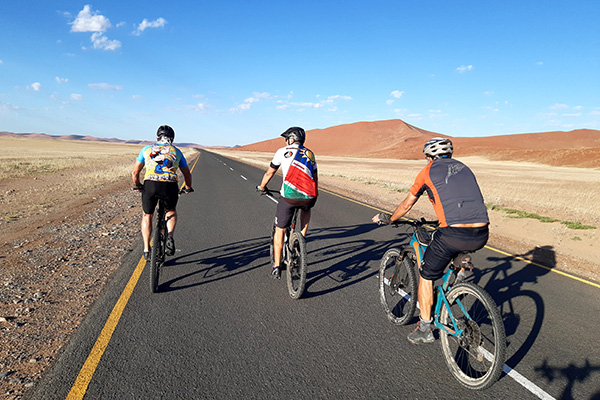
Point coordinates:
[[398, 285], [157, 255], [296, 270], [271, 246], [475, 368]]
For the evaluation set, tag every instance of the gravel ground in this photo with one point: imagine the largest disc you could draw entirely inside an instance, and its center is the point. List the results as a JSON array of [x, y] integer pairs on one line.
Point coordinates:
[[53, 266]]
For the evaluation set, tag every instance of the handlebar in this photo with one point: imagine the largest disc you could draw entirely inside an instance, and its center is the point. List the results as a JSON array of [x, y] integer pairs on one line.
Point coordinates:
[[416, 223], [140, 188], [186, 191], [266, 192]]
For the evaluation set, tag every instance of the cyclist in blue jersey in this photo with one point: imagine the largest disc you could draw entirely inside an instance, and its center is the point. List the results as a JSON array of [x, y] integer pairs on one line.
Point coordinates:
[[161, 159], [299, 188]]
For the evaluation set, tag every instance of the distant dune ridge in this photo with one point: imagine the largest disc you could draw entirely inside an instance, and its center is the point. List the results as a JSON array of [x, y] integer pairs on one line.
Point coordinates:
[[397, 139]]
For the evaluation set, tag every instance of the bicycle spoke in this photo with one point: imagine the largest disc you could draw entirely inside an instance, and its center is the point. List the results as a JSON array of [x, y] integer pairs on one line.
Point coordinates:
[[476, 358], [397, 287]]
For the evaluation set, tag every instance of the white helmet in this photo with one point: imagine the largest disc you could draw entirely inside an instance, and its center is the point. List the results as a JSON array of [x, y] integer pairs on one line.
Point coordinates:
[[438, 147]]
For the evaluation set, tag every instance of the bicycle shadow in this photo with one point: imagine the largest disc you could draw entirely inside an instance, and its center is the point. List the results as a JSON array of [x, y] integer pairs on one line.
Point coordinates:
[[346, 263], [223, 262], [572, 373], [506, 286]]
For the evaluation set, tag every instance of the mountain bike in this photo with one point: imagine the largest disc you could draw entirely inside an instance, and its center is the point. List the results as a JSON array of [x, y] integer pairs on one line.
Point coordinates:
[[293, 259], [159, 240], [471, 328]]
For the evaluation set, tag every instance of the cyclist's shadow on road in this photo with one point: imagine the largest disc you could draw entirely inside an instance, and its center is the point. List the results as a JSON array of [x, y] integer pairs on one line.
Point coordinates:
[[522, 319], [341, 264], [217, 263], [336, 264]]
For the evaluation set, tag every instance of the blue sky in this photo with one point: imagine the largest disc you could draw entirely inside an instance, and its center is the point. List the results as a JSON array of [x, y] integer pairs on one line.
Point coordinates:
[[237, 72]]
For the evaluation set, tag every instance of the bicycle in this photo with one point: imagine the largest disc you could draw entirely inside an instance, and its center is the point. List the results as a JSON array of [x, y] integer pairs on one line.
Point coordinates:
[[471, 328], [293, 259], [159, 239]]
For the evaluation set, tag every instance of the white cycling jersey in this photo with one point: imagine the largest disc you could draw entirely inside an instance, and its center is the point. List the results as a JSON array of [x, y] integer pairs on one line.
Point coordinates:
[[299, 168]]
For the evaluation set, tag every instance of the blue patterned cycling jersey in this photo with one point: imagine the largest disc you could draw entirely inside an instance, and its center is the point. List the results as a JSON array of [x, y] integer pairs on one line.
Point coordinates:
[[162, 161]]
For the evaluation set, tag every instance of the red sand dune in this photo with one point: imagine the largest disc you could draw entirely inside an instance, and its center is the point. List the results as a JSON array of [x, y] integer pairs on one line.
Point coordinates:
[[397, 139]]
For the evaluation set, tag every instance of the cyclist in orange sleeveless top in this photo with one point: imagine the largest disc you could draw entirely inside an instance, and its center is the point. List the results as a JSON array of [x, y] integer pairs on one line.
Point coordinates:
[[453, 190]]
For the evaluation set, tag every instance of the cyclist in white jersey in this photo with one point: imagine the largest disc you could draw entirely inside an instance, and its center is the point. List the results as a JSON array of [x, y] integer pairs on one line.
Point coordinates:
[[299, 188]]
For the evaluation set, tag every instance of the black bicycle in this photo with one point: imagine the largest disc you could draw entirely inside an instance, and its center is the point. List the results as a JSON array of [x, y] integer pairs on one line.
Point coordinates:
[[293, 259], [159, 239], [471, 327]]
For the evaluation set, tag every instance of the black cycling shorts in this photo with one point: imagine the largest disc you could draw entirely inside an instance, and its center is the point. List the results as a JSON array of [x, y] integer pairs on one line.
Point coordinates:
[[447, 243], [285, 210], [153, 190]]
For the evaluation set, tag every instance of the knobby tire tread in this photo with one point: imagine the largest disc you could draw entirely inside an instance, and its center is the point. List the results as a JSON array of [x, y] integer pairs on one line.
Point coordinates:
[[398, 308], [499, 337], [297, 266]]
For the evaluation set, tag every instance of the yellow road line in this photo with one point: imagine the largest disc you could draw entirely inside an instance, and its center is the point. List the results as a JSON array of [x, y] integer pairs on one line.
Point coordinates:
[[487, 247], [89, 367], [84, 378]]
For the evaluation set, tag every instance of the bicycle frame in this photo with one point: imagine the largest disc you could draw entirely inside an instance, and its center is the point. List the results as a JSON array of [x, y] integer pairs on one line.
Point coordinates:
[[441, 292]]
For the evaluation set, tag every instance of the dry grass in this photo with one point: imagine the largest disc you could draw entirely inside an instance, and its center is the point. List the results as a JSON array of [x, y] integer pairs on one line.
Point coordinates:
[[558, 192], [38, 173], [85, 164]]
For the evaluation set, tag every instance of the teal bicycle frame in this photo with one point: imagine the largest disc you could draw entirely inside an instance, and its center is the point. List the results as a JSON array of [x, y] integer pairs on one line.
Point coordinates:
[[441, 292]]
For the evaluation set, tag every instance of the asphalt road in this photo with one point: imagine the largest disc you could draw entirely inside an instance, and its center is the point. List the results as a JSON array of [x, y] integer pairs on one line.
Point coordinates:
[[222, 328]]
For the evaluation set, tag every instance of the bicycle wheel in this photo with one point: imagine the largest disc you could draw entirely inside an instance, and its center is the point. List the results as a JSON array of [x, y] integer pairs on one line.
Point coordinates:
[[296, 270], [158, 249], [398, 285], [271, 248], [476, 358]]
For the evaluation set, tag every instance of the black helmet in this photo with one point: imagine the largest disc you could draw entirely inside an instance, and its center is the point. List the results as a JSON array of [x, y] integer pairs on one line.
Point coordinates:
[[438, 147], [295, 133], [165, 131]]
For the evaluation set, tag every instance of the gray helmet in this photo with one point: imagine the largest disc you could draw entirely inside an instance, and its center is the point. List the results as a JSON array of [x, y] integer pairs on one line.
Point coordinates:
[[165, 131], [438, 147], [295, 133]]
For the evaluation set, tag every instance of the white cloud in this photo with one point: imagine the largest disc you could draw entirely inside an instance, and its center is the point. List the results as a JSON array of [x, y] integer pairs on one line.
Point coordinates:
[[283, 107], [559, 107], [462, 69], [102, 42], [137, 97], [1, 62], [105, 86], [241, 107], [488, 93], [263, 95], [308, 105], [76, 97], [397, 94], [87, 21], [5, 107], [539, 63], [389, 102], [339, 97], [197, 107], [157, 23], [435, 114], [61, 80], [36, 86], [595, 112], [574, 115]]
